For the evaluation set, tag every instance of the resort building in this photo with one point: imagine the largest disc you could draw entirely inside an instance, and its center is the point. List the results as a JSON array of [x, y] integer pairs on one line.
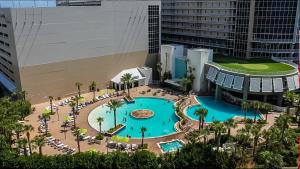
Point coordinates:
[[47, 46], [229, 78], [235, 28]]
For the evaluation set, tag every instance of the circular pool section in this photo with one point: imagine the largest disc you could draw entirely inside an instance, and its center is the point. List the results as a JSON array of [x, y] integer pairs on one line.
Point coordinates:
[[160, 124], [217, 110]]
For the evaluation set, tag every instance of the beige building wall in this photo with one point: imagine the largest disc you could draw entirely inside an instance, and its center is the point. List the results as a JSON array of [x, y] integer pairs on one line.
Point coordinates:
[[58, 79]]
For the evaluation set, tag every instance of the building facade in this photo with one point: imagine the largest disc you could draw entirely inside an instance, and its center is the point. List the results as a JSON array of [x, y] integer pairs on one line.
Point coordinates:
[[239, 28], [45, 50]]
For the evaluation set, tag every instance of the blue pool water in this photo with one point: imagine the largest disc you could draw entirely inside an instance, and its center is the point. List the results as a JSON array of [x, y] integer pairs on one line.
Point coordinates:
[[160, 124], [171, 146], [217, 110]]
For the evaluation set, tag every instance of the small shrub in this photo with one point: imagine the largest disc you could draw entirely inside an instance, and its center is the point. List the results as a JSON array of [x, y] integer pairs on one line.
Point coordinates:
[[99, 136], [145, 146]]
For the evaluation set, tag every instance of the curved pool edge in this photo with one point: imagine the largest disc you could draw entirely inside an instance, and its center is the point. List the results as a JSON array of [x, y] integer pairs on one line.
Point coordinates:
[[199, 104], [139, 138]]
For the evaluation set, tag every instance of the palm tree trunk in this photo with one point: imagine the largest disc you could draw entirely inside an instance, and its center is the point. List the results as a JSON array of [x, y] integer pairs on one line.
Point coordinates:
[[245, 114], [228, 132], [204, 139], [46, 125], [142, 140], [254, 146], [99, 127], [51, 107], [25, 150], [94, 95], [78, 144], [40, 150], [29, 145], [266, 117], [128, 86], [219, 140], [115, 118], [255, 112], [78, 91], [202, 123]]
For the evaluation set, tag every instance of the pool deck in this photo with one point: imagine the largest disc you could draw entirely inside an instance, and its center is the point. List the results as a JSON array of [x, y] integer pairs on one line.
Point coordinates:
[[82, 122]]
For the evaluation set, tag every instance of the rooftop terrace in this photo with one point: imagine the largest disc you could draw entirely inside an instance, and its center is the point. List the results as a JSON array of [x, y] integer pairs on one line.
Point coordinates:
[[254, 66]]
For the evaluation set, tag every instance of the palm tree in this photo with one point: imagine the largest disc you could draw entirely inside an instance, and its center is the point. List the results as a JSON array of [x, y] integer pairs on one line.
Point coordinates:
[[39, 141], [51, 104], [283, 122], [18, 128], [159, 70], [78, 85], [100, 121], [245, 107], [113, 105], [290, 97], [22, 144], [257, 106], [143, 130], [256, 133], [205, 132], [45, 117], [77, 133], [266, 107], [202, 113], [28, 129], [93, 89], [230, 123], [72, 104], [185, 82], [218, 129], [127, 79]]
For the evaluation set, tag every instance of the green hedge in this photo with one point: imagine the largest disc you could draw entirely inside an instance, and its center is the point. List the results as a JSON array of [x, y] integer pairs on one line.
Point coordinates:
[[191, 156]]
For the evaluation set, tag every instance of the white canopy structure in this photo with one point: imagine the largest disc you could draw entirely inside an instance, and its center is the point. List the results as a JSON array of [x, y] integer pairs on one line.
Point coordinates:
[[142, 76]]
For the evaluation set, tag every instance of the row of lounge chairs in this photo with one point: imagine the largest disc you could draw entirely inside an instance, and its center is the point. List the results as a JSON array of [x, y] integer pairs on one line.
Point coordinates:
[[57, 144], [42, 126], [122, 146]]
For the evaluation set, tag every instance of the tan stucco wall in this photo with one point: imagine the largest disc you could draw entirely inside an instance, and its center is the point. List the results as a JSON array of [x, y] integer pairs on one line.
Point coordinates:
[[58, 79]]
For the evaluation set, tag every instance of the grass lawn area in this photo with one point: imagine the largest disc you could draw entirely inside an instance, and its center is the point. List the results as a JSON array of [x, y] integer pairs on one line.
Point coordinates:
[[253, 66]]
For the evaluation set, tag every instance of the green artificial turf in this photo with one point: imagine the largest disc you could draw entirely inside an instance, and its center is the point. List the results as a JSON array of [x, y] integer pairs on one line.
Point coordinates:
[[253, 66]]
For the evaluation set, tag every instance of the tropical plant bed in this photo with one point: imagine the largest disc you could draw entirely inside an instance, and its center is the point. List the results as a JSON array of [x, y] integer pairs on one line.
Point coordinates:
[[145, 146], [115, 130], [128, 99]]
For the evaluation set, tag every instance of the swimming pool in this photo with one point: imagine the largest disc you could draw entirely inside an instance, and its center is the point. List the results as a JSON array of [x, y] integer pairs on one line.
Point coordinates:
[[170, 146], [217, 110], [160, 124]]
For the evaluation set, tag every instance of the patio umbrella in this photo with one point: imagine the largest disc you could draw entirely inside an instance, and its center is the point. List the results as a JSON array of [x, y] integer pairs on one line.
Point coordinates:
[[81, 100], [115, 138], [46, 111], [67, 118], [83, 131], [124, 139]]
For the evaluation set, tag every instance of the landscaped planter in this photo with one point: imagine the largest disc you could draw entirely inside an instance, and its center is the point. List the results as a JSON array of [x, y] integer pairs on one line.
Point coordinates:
[[128, 99], [114, 131]]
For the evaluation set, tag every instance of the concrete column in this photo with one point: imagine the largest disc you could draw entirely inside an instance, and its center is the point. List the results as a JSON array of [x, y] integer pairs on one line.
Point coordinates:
[[246, 88], [250, 27], [218, 92], [208, 86], [265, 98], [119, 86], [279, 100]]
